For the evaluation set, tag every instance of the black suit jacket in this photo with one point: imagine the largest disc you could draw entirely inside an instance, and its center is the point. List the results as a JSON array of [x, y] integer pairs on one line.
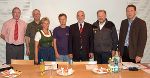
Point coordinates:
[[137, 37], [74, 39]]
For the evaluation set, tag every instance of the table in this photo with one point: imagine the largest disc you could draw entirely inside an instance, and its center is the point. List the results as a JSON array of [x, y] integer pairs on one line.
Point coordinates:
[[33, 71]]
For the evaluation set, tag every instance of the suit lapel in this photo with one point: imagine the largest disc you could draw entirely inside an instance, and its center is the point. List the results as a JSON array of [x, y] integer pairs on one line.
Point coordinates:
[[84, 27], [126, 27], [132, 24], [77, 28]]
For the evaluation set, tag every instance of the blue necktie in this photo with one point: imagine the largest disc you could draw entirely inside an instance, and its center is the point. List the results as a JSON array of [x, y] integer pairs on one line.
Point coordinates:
[[127, 36]]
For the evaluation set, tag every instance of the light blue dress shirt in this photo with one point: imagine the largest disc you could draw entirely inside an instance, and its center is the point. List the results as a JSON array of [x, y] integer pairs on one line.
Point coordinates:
[[127, 36]]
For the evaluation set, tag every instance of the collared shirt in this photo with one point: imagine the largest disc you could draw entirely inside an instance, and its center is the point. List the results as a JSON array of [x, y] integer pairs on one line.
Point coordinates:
[[79, 25], [31, 30], [127, 36], [101, 25], [8, 31]]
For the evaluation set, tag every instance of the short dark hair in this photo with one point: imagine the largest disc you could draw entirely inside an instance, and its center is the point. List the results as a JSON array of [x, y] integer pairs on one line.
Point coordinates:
[[131, 5], [101, 11], [62, 14], [35, 10]]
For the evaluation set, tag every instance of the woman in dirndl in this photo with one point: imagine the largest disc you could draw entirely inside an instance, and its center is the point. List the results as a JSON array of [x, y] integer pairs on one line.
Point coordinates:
[[44, 43]]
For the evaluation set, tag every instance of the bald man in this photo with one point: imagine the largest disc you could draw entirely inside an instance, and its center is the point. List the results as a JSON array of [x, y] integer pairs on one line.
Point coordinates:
[[81, 39]]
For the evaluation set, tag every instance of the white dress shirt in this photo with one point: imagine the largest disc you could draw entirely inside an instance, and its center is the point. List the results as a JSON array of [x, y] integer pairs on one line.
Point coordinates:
[[79, 25], [101, 25]]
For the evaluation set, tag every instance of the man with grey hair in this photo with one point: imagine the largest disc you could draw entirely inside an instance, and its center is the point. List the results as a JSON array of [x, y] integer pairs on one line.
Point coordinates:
[[81, 39], [13, 32], [105, 38], [32, 28]]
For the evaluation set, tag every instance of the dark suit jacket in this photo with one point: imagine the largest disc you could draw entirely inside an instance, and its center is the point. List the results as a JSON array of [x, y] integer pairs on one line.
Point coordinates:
[[74, 39], [137, 37], [106, 39]]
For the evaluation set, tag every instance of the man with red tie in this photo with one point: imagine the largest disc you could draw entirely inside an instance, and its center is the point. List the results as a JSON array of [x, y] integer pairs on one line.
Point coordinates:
[[13, 32], [81, 39]]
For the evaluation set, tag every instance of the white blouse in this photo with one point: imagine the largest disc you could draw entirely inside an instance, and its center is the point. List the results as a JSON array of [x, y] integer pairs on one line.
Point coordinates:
[[38, 35]]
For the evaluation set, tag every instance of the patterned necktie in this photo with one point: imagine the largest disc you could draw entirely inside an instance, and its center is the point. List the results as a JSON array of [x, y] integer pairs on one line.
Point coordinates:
[[81, 29], [16, 31]]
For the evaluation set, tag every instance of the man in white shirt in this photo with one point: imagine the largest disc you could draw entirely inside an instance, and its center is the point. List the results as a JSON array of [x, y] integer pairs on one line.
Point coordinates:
[[105, 38]]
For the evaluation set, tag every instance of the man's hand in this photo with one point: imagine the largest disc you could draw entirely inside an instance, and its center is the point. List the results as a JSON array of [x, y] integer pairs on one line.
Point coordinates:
[[70, 55], [2, 36], [27, 51], [27, 40], [36, 60], [57, 55], [113, 53], [91, 55], [138, 59], [119, 54]]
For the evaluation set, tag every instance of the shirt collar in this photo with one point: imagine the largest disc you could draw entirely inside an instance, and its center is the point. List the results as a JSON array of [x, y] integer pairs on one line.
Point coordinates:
[[62, 27], [36, 23], [80, 23], [131, 20], [15, 20], [102, 23]]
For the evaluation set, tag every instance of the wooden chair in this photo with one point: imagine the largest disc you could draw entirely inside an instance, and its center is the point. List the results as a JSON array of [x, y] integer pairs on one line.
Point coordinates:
[[22, 62]]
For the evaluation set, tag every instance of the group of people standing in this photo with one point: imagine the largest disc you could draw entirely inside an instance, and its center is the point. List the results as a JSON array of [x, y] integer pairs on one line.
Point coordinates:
[[80, 41]]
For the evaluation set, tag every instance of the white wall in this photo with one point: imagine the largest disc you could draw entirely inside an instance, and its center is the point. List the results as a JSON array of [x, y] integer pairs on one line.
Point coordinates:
[[52, 8]]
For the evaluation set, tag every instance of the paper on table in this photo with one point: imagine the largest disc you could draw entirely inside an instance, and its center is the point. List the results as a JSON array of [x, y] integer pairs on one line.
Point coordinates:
[[48, 67], [149, 65], [4, 66], [126, 65], [90, 66], [142, 66], [92, 62], [53, 66], [146, 70]]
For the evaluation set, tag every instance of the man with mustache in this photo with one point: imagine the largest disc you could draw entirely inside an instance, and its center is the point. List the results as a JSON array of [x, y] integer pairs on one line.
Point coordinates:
[[105, 38]]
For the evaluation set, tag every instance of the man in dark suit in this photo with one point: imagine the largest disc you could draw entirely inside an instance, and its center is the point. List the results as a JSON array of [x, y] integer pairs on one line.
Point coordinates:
[[105, 38], [132, 36], [81, 39]]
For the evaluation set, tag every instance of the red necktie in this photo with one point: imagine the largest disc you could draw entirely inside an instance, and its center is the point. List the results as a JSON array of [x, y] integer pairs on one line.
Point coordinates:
[[81, 29], [16, 31]]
